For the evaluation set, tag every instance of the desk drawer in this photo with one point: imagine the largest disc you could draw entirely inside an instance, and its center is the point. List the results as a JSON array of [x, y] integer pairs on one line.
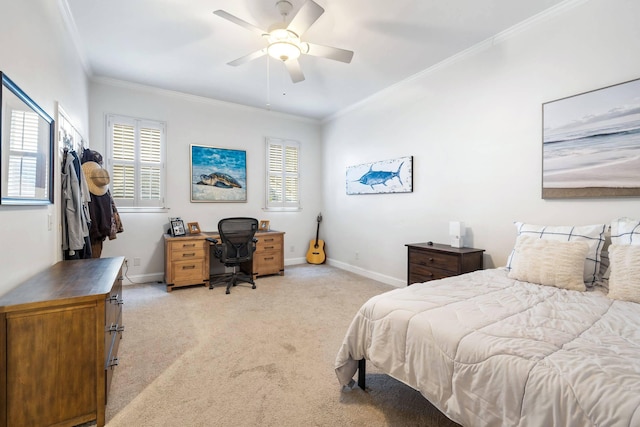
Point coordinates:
[[187, 254], [269, 244], [267, 263], [434, 260], [188, 271]]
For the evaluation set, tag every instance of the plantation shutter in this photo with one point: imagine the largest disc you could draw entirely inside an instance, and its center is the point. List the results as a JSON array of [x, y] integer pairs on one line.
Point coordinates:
[[137, 148], [23, 154], [283, 178]]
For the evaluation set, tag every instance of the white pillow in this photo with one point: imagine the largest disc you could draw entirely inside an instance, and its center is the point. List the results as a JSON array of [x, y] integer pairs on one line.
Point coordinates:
[[624, 281], [625, 231], [592, 235], [549, 262]]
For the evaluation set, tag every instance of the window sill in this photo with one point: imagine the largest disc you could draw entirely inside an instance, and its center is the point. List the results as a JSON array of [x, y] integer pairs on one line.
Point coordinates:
[[282, 209], [144, 209]]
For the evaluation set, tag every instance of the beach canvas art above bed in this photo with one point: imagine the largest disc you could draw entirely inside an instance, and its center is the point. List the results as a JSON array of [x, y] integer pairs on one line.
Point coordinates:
[[591, 144], [218, 174], [385, 176]]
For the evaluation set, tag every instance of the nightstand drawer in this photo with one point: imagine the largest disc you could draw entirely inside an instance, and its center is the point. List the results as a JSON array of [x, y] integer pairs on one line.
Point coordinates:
[[434, 260], [431, 261], [421, 273]]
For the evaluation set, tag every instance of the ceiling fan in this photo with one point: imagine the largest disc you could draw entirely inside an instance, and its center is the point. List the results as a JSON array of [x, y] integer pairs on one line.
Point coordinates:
[[284, 40]]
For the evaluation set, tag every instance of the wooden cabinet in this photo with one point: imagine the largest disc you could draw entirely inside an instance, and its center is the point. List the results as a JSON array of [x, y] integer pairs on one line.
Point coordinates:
[[187, 258], [435, 261], [269, 255], [59, 335]]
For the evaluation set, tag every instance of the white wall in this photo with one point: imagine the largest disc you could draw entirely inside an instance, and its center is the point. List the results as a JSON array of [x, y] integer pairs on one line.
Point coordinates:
[[194, 120], [473, 125], [39, 56]]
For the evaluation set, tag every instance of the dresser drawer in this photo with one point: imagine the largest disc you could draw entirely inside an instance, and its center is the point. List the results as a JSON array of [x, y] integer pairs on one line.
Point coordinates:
[[442, 261]]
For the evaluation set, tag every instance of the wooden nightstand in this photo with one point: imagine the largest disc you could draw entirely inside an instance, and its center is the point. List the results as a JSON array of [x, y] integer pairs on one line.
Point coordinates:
[[430, 262]]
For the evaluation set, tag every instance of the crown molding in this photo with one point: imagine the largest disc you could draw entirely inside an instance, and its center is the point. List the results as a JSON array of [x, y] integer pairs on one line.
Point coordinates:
[[501, 37]]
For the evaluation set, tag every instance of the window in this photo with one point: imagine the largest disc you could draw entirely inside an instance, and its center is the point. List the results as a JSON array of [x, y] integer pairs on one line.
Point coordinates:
[[283, 178], [23, 155], [136, 153]]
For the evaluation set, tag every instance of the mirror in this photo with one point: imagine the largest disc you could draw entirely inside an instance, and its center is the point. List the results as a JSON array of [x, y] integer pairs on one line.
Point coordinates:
[[26, 136]]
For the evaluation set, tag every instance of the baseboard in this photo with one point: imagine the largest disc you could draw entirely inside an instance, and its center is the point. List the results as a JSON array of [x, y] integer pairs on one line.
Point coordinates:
[[398, 283], [140, 279]]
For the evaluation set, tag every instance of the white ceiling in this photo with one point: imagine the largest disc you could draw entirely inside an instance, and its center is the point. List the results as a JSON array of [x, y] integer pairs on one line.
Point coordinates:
[[181, 45]]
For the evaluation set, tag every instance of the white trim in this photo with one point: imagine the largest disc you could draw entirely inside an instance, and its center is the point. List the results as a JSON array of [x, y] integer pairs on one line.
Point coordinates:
[[547, 14], [196, 98], [72, 30], [398, 283]]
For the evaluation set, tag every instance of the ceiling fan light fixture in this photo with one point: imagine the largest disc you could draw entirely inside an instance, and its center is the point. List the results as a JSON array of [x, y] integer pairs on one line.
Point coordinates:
[[283, 51], [283, 45]]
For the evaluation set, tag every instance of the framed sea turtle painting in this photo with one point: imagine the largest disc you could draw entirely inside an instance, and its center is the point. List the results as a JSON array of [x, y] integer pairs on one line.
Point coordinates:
[[384, 176], [218, 174]]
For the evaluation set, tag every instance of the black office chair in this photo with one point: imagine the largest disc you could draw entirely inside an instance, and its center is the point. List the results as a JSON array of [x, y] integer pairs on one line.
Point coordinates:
[[237, 247]]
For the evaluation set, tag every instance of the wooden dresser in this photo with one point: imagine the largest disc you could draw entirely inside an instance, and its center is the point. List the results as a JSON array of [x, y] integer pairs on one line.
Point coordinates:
[[59, 336], [436, 261], [187, 258]]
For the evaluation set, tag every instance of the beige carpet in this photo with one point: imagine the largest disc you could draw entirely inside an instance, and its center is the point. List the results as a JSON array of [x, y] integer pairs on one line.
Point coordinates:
[[263, 357]]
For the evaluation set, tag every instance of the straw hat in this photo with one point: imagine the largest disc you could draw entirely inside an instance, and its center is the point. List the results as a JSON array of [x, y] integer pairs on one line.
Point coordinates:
[[97, 178]]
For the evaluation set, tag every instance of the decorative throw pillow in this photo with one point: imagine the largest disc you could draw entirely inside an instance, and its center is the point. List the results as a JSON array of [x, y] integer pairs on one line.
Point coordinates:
[[592, 235], [625, 231], [549, 262], [624, 280]]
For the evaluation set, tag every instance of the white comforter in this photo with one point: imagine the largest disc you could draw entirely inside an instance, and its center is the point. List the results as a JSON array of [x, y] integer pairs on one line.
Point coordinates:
[[491, 351]]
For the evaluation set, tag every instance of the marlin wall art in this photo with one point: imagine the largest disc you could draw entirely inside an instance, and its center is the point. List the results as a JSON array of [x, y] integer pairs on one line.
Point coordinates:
[[385, 176]]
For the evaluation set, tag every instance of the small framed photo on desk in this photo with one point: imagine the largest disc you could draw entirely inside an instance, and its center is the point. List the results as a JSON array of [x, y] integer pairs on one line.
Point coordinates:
[[264, 225], [194, 228]]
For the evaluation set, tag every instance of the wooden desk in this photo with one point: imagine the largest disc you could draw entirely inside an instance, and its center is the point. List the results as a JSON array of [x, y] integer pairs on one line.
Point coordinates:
[[186, 258]]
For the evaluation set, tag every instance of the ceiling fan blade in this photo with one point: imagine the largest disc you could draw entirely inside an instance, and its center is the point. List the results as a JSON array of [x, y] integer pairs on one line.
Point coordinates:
[[306, 16], [249, 57], [293, 67], [329, 52], [238, 21]]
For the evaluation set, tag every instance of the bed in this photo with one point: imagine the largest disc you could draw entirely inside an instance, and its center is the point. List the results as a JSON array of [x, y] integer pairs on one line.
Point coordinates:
[[540, 342]]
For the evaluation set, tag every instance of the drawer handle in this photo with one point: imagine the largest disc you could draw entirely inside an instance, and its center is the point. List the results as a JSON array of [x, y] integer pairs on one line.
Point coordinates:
[[268, 258], [192, 245], [268, 240], [268, 247], [115, 328], [113, 363], [188, 267], [113, 298], [189, 255], [120, 302]]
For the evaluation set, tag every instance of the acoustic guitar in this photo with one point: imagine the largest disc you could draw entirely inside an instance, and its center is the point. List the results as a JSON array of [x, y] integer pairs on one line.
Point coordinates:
[[315, 254]]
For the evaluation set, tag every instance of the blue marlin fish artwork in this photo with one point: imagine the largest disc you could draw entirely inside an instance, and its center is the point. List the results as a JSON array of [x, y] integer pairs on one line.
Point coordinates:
[[386, 176]]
